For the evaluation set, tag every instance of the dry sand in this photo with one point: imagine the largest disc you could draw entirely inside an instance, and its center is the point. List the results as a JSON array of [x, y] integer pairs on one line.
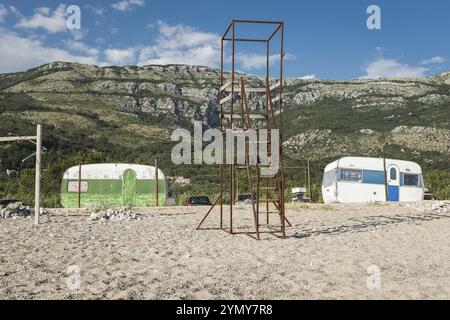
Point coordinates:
[[327, 255]]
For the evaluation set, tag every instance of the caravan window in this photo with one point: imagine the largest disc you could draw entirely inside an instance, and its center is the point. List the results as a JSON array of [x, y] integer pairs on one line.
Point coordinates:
[[393, 174], [411, 180], [329, 178], [72, 186], [351, 175]]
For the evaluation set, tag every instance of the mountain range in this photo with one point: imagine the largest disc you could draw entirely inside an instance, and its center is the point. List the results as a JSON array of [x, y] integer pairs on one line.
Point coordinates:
[[127, 114]]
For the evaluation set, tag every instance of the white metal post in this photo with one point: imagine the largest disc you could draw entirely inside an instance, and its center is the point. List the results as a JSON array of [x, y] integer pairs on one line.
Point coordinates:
[[37, 189]]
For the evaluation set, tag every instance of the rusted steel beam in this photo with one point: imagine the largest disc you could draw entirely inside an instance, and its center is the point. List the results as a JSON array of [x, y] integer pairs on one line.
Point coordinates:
[[228, 29], [259, 21], [231, 122], [246, 40], [208, 213]]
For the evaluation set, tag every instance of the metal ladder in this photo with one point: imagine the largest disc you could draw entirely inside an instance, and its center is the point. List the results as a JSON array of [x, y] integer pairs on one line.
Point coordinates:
[[272, 184]]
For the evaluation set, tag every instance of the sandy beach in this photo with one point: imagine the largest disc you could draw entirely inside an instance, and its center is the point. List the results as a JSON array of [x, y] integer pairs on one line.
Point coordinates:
[[331, 252]]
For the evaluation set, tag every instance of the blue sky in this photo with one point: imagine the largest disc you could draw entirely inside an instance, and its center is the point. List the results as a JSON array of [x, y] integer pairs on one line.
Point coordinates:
[[324, 39]]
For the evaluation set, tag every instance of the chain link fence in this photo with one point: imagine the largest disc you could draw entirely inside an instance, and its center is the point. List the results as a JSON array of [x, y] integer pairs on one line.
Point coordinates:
[[17, 185], [205, 181], [20, 185], [179, 185]]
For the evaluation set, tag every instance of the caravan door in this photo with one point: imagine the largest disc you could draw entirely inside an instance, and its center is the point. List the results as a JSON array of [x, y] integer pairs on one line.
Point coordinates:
[[129, 188], [393, 183]]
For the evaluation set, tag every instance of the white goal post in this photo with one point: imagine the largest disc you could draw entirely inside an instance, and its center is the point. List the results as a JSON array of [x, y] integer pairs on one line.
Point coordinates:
[[37, 190]]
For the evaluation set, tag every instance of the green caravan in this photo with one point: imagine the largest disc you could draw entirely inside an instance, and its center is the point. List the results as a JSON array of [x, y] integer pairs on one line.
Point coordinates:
[[112, 184]]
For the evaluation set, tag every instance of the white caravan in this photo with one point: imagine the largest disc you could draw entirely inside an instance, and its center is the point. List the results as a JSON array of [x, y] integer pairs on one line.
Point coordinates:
[[362, 180]]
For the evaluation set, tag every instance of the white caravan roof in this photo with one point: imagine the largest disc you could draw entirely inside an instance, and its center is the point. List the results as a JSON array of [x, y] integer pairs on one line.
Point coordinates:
[[112, 171], [375, 164]]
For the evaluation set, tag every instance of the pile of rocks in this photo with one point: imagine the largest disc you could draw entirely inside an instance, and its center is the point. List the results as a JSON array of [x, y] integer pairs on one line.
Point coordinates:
[[17, 210], [441, 207], [436, 207], [121, 214]]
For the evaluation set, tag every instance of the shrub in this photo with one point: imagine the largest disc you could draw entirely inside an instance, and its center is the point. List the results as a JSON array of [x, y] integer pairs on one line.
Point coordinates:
[[438, 182]]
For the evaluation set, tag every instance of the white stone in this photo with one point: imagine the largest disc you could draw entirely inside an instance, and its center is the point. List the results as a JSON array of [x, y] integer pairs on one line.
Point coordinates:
[[93, 216]]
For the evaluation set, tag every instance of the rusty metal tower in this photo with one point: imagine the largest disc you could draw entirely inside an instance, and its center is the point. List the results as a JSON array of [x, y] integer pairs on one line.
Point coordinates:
[[238, 113]]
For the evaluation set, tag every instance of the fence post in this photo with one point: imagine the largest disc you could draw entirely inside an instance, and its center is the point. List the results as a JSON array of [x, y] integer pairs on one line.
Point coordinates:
[[156, 181], [309, 182], [37, 190], [79, 186]]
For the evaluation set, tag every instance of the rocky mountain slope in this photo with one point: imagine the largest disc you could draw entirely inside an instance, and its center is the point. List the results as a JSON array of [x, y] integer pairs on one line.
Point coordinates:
[[128, 113]]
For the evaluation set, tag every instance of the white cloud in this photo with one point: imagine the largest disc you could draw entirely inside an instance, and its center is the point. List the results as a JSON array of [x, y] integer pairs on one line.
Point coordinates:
[[20, 53], [249, 61], [81, 47], [126, 5], [79, 34], [181, 44], [434, 60], [3, 13], [174, 44], [43, 11], [308, 77], [121, 56], [391, 68], [44, 18]]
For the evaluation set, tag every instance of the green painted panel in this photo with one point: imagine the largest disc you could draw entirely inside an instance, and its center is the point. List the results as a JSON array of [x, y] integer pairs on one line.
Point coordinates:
[[70, 200], [149, 186], [106, 186], [148, 201], [110, 193]]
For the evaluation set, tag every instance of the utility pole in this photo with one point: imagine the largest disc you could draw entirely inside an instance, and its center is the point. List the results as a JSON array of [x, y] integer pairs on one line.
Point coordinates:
[[37, 189]]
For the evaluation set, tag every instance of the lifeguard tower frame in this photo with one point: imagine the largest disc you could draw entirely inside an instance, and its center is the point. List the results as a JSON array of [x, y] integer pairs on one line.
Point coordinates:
[[238, 113]]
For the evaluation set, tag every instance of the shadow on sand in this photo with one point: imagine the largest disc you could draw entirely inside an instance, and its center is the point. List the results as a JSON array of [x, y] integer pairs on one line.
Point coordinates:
[[366, 224]]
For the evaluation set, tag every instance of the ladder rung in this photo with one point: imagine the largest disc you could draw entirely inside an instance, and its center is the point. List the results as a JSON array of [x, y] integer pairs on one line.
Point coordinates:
[[277, 85], [238, 110], [274, 100], [268, 188], [237, 88], [269, 200], [238, 116], [224, 100], [225, 86]]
